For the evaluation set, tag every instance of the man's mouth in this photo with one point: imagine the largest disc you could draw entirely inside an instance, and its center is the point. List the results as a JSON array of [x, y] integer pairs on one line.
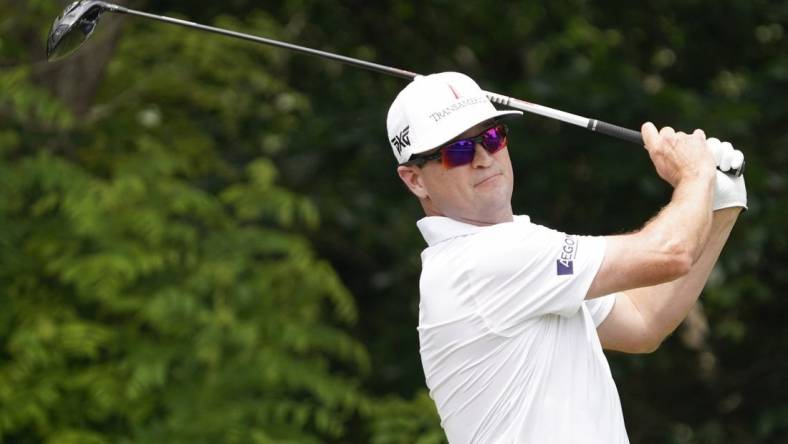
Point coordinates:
[[487, 179]]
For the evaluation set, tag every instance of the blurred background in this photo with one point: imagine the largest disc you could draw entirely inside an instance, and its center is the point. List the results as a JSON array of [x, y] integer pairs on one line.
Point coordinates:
[[204, 240]]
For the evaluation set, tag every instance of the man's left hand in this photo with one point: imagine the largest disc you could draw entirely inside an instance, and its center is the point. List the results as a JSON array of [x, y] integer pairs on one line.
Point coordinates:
[[729, 190]]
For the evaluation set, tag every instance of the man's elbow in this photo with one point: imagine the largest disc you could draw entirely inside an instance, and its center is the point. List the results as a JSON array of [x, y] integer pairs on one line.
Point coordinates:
[[643, 342], [646, 346], [667, 268], [637, 347], [679, 265], [678, 261]]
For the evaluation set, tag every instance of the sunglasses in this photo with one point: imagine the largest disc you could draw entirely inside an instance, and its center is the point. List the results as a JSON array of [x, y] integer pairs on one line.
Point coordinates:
[[460, 152]]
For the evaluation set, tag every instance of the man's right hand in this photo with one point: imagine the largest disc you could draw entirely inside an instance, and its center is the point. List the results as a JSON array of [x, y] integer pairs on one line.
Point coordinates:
[[678, 156]]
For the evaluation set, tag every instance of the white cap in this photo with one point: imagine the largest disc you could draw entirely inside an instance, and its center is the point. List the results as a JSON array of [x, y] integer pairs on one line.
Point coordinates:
[[435, 109]]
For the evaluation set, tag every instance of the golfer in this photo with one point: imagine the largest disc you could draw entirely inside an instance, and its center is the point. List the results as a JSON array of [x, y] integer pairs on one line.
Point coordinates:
[[513, 315]]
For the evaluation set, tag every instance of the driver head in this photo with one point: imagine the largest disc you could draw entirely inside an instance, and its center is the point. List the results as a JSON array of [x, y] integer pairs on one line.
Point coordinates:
[[71, 28]]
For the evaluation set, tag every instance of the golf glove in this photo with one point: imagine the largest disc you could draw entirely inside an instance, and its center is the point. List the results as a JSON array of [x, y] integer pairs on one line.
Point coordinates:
[[729, 191]]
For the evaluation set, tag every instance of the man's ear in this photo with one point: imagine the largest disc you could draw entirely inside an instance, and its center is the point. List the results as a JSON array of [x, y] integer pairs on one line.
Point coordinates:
[[413, 179]]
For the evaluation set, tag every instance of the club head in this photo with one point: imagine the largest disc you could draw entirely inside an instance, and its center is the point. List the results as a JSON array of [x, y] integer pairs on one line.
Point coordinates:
[[71, 28]]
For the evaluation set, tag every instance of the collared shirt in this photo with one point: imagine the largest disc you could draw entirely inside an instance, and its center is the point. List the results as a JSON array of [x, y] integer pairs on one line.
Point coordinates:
[[507, 340]]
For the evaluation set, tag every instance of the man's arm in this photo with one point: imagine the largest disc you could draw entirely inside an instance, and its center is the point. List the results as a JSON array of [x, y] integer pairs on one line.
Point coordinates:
[[641, 318], [666, 248]]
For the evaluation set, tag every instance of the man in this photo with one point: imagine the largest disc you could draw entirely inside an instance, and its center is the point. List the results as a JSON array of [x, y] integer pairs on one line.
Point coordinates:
[[513, 316]]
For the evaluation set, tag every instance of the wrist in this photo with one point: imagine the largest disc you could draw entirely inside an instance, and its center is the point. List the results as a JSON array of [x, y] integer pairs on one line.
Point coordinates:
[[698, 175], [729, 192]]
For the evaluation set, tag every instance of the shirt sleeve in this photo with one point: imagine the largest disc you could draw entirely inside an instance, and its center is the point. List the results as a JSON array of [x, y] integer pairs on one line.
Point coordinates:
[[520, 271], [600, 307]]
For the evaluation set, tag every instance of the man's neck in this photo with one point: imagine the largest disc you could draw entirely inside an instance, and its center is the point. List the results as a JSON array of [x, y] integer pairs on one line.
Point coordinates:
[[503, 216]]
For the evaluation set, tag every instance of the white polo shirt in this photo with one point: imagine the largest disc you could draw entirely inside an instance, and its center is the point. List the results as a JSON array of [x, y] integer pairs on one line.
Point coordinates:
[[508, 342]]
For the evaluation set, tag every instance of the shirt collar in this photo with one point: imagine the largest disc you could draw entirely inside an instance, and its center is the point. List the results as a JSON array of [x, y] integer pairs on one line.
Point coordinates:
[[436, 229]]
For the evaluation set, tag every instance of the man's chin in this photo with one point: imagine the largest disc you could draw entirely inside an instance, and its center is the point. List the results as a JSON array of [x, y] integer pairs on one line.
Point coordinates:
[[494, 192]]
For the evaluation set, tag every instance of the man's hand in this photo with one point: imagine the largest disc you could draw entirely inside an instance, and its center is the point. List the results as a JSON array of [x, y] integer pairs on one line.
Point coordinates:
[[729, 191], [678, 156]]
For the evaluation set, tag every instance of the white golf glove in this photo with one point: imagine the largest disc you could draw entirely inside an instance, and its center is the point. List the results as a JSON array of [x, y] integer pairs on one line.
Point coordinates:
[[729, 190]]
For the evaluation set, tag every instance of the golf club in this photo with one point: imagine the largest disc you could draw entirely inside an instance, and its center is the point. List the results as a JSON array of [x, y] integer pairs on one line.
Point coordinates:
[[79, 19]]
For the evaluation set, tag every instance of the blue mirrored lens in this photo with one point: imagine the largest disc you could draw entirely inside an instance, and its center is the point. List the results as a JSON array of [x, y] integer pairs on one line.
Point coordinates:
[[492, 139], [459, 153], [462, 151]]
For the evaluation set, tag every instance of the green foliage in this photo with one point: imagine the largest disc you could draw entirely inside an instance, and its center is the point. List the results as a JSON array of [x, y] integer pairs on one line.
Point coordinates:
[[155, 286], [399, 421]]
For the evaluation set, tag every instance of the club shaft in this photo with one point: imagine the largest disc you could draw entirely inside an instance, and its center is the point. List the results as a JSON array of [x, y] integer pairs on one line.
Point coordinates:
[[279, 44], [532, 108], [494, 97]]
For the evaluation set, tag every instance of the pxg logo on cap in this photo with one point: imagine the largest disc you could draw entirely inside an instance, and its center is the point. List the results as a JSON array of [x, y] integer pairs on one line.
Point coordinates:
[[401, 140]]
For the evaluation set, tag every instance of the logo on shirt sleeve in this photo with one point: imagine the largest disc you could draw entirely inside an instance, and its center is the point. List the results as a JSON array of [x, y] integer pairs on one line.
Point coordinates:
[[566, 258]]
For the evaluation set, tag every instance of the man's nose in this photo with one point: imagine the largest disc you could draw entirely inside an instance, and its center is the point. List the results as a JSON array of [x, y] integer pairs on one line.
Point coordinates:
[[481, 158]]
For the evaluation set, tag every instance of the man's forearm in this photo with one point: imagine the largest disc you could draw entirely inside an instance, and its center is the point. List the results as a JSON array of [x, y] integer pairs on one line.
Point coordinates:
[[665, 306], [686, 221], [665, 248]]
